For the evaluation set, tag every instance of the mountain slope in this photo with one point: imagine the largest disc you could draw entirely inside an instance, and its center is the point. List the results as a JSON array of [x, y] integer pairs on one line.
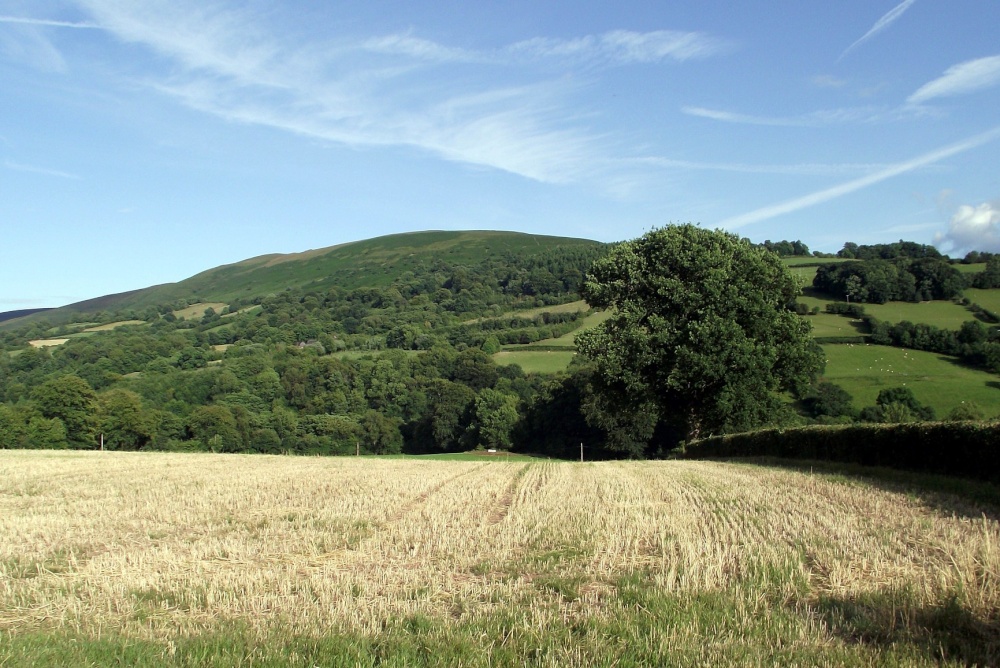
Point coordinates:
[[373, 262]]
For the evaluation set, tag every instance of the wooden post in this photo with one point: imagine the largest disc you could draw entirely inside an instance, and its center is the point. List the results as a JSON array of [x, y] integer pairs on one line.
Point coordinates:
[[581, 453], [102, 442], [357, 448]]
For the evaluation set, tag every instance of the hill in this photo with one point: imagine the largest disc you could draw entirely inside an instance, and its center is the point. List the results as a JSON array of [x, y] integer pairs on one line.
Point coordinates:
[[369, 263], [425, 342]]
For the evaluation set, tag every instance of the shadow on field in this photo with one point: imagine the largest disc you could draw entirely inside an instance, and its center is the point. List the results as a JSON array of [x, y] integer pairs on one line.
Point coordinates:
[[887, 619], [947, 495]]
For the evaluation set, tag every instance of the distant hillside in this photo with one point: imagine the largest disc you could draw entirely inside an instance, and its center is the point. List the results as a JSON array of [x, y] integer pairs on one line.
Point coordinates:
[[370, 263], [11, 315]]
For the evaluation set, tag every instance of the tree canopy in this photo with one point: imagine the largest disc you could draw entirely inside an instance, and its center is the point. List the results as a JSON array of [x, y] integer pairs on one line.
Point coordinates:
[[700, 331]]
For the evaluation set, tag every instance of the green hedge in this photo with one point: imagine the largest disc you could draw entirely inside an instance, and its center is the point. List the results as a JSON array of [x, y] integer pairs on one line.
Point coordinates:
[[965, 449]]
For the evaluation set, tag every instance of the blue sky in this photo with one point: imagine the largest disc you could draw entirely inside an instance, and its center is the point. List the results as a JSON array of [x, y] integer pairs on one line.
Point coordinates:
[[144, 141]]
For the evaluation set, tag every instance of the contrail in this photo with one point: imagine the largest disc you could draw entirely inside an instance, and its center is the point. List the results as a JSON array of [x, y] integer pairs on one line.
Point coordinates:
[[47, 22], [881, 24], [774, 210]]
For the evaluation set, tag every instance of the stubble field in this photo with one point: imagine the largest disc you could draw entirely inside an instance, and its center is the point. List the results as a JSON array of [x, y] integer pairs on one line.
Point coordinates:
[[152, 559]]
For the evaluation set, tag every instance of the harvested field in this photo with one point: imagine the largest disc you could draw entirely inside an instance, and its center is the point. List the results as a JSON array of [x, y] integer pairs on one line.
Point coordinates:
[[46, 343], [251, 559]]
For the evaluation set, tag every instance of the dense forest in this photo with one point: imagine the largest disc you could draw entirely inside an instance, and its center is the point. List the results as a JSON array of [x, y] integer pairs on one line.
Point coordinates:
[[404, 364]]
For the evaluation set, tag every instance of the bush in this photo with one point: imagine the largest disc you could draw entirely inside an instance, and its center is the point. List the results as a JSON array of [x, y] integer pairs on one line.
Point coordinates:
[[963, 449]]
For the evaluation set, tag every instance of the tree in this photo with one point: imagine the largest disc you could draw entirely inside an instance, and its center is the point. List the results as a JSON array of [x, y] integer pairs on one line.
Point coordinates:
[[73, 401], [826, 398], [699, 330], [495, 417], [122, 420], [381, 433]]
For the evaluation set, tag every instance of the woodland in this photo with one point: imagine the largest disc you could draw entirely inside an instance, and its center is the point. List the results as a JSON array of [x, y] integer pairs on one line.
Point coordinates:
[[397, 356]]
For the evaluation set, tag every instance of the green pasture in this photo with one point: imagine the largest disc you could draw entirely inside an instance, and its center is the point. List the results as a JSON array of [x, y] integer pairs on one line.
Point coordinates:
[[536, 361], [941, 314], [970, 268], [568, 340], [569, 307], [988, 299], [827, 325], [936, 380]]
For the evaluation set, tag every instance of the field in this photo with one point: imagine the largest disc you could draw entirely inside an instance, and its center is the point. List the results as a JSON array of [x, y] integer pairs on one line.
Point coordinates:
[[988, 299], [946, 315], [569, 307], [114, 325], [536, 361], [936, 380], [160, 559], [45, 343], [196, 311]]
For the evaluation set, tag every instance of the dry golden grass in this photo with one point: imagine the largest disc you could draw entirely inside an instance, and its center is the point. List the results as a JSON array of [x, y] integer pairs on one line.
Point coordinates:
[[158, 544], [45, 343], [198, 310], [114, 325]]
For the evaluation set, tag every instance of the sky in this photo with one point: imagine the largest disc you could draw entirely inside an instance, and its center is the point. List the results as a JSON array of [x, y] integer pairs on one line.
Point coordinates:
[[144, 141]]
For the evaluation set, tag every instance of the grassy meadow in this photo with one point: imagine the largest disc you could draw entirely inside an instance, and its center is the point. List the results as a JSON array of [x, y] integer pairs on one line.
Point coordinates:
[[988, 299], [536, 360], [220, 560], [936, 380]]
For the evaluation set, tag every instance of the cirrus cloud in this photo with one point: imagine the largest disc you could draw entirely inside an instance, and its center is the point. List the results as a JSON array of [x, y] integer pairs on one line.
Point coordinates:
[[966, 77]]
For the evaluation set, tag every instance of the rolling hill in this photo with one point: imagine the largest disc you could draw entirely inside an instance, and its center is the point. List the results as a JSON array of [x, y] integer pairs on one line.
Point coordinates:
[[369, 263]]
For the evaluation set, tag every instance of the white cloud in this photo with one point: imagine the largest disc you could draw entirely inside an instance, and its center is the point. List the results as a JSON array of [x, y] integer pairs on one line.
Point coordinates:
[[631, 47], [801, 169], [828, 81], [49, 23], [821, 118], [370, 92], [973, 228], [966, 77], [18, 167], [887, 20], [828, 194]]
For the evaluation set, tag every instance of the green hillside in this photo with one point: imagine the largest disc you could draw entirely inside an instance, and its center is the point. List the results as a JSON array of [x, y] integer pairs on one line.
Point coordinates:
[[370, 263]]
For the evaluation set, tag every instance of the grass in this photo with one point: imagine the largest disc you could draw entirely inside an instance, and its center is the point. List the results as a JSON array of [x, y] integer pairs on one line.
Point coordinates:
[[936, 380], [569, 307], [942, 314], [536, 361], [988, 299], [971, 268], [196, 311], [47, 343], [114, 325], [218, 560], [568, 340]]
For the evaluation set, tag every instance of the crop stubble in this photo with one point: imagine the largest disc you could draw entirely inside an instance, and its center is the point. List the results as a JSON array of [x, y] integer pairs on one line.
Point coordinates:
[[157, 544]]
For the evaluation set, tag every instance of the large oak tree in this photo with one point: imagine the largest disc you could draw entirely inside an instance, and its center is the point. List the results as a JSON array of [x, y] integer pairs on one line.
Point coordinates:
[[700, 333]]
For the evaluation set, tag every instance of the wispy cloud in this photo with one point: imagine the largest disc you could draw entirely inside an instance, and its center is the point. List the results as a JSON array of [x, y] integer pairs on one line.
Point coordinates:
[[821, 118], [227, 62], [966, 77], [828, 194], [18, 167], [48, 22], [887, 20], [802, 169], [616, 47]]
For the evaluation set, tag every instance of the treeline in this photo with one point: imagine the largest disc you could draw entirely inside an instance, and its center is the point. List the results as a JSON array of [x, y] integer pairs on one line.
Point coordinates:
[[974, 343], [877, 281], [405, 366]]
